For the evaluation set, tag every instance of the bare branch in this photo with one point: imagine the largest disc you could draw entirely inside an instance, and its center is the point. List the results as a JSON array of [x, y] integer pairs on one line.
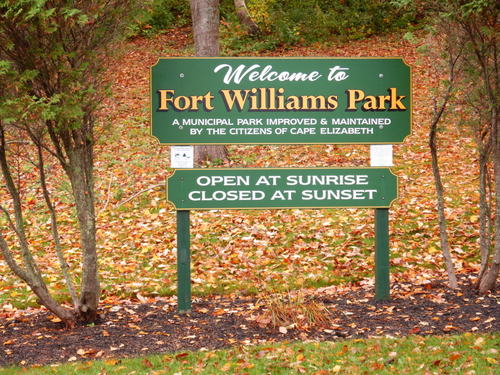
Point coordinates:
[[30, 263], [137, 194], [11, 262], [108, 194], [55, 231]]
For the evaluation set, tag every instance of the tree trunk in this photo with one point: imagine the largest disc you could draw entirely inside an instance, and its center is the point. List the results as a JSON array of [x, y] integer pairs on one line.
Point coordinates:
[[55, 229], [205, 16], [80, 173], [30, 274], [41, 291], [484, 216], [38, 287], [212, 153], [244, 17], [489, 280], [443, 232], [438, 113]]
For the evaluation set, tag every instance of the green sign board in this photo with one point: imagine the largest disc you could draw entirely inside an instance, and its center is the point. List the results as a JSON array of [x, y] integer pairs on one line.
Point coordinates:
[[256, 188], [280, 100]]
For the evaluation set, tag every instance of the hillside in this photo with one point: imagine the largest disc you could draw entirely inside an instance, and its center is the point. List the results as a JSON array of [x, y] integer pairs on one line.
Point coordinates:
[[257, 251]]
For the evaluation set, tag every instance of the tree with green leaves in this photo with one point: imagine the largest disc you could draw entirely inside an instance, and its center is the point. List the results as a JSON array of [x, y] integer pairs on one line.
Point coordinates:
[[52, 55]]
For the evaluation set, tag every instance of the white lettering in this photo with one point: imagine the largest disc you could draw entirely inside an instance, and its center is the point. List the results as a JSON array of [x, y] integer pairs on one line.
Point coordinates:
[[324, 194], [224, 180], [326, 180], [338, 74], [265, 74], [230, 195]]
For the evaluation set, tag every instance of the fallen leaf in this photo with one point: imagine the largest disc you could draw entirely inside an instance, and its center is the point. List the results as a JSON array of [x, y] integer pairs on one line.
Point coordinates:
[[112, 362], [479, 342], [415, 330], [226, 367]]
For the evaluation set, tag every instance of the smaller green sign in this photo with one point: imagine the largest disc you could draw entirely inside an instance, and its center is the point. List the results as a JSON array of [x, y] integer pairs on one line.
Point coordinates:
[[231, 188]]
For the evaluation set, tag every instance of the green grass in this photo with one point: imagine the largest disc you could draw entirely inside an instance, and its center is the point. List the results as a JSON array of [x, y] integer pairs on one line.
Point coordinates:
[[462, 354]]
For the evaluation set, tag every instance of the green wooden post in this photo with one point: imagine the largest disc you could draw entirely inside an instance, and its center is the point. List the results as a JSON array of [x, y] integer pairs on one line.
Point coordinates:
[[382, 286], [183, 263]]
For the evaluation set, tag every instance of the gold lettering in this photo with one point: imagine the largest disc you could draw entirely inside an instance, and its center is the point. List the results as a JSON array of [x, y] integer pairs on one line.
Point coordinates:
[[373, 102], [332, 102], [293, 103], [164, 99], [182, 103], [313, 102], [370, 103], [234, 96], [396, 104], [353, 97], [281, 99]]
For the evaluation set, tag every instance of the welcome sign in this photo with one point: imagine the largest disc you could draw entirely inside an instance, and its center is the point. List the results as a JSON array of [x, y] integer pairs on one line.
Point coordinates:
[[256, 188], [280, 100]]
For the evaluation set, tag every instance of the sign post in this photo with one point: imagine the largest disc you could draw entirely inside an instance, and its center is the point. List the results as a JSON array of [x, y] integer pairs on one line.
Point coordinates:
[[183, 157], [259, 188], [221, 101], [183, 262], [382, 285], [381, 156]]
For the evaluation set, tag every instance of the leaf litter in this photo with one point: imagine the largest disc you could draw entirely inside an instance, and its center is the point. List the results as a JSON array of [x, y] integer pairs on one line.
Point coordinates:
[[130, 328], [250, 253]]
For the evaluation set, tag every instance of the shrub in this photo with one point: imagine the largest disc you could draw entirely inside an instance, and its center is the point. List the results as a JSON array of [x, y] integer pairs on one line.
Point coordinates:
[[286, 22], [160, 15], [314, 20]]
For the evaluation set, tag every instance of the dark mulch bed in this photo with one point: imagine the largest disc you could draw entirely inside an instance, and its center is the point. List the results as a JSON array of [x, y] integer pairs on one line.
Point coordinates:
[[136, 329]]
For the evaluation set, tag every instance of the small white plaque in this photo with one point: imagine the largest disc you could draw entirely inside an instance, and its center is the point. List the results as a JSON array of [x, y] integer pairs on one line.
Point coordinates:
[[381, 155], [182, 156]]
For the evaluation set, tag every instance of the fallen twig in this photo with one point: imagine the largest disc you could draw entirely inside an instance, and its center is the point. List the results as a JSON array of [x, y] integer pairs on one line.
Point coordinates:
[[137, 194]]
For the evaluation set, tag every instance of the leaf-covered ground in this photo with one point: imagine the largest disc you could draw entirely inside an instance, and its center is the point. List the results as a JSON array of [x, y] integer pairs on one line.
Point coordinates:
[[248, 253], [253, 251], [154, 326]]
